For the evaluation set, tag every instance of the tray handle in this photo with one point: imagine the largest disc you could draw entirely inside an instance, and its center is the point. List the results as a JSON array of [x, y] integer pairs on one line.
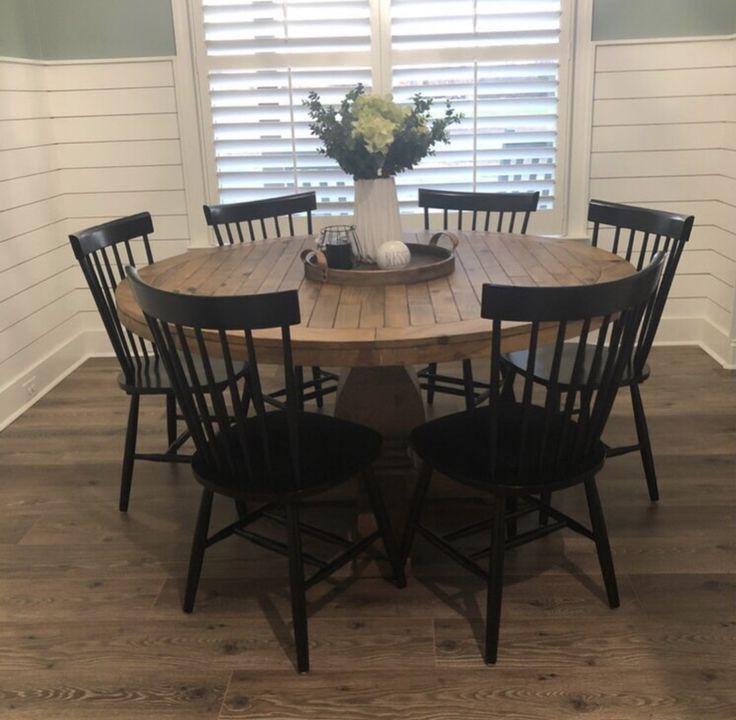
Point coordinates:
[[454, 239], [318, 258]]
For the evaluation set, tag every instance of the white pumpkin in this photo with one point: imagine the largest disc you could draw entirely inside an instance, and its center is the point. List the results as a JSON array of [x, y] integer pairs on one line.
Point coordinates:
[[393, 254]]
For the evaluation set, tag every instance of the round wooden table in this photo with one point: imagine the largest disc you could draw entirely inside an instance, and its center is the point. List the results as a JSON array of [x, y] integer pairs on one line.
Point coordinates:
[[378, 331]]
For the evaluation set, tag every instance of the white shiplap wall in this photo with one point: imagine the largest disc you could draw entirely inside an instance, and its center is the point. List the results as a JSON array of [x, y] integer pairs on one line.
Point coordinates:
[[39, 318], [663, 136], [80, 143], [83, 142]]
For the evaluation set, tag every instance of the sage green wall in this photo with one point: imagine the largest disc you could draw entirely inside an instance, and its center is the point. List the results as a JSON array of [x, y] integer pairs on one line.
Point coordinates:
[[79, 29], [628, 19], [18, 36]]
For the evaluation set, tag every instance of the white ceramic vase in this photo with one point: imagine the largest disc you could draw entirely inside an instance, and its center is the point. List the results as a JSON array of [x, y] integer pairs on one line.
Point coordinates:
[[377, 218]]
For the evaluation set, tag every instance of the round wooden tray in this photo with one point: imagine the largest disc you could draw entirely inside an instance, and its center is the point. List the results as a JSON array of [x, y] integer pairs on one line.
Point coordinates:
[[427, 262]]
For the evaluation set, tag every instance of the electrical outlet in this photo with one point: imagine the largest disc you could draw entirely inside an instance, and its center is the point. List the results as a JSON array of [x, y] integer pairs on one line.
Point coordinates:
[[30, 386]]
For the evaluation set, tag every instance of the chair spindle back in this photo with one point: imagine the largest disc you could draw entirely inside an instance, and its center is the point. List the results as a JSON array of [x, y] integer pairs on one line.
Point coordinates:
[[259, 219], [507, 207], [103, 252], [186, 326], [554, 428], [638, 234]]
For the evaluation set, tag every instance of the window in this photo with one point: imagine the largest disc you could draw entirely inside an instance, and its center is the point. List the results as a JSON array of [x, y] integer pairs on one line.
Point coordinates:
[[500, 62]]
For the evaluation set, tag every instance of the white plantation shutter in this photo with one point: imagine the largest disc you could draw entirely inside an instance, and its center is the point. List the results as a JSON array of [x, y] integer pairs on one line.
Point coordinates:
[[263, 146], [262, 59], [497, 61], [500, 67]]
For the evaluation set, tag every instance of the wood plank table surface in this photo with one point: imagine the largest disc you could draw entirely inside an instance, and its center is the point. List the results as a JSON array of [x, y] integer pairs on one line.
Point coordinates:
[[378, 331], [436, 320]]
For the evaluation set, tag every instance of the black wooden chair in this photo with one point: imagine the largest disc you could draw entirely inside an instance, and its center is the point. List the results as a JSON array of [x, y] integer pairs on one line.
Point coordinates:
[[518, 450], [259, 220], [636, 234], [103, 251], [499, 212], [278, 456]]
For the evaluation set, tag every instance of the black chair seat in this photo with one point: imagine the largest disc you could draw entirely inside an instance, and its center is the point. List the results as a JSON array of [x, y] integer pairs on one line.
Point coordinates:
[[458, 446], [151, 377], [544, 358], [332, 451]]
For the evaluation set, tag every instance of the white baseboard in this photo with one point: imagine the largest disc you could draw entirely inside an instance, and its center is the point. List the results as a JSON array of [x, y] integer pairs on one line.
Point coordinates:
[[701, 332], [63, 360], [46, 373], [49, 372]]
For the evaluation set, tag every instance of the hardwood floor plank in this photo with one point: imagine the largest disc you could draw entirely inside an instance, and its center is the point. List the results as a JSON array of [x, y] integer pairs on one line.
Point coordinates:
[[711, 596], [609, 644], [181, 642], [534, 693], [63, 599], [107, 693]]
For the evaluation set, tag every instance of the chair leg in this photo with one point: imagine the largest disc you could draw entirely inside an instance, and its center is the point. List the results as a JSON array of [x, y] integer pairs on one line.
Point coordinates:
[[468, 384], [297, 589], [508, 375], [131, 435], [495, 581], [384, 526], [512, 505], [171, 419], [199, 545], [299, 372], [415, 509], [431, 382], [645, 447], [546, 498], [602, 545], [317, 377]]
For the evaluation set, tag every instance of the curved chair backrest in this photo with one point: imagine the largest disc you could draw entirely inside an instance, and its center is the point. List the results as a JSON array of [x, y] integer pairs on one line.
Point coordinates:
[[637, 234], [185, 326], [507, 206], [103, 251], [258, 219], [542, 438]]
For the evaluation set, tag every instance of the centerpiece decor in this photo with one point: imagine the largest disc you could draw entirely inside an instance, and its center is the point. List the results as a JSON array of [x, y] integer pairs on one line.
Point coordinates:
[[373, 139]]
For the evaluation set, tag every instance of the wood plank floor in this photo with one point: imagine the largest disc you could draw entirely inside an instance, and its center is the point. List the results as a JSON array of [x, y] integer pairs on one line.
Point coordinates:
[[91, 625]]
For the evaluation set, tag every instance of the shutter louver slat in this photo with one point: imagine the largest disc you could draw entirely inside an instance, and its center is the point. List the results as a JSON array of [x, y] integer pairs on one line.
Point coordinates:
[[508, 139]]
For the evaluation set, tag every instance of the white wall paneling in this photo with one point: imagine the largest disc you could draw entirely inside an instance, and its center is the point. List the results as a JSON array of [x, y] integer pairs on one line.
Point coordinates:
[[680, 136], [24, 161], [664, 114], [112, 154], [80, 143], [83, 142], [31, 208], [116, 128], [639, 56]]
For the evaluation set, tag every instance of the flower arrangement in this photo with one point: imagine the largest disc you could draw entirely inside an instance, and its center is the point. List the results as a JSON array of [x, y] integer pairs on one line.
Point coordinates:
[[372, 137]]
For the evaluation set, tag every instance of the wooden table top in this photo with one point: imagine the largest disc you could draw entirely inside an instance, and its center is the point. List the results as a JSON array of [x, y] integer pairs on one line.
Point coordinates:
[[436, 320]]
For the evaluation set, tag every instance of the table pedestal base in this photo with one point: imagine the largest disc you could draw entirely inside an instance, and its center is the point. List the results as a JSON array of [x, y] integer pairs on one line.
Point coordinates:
[[386, 399]]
